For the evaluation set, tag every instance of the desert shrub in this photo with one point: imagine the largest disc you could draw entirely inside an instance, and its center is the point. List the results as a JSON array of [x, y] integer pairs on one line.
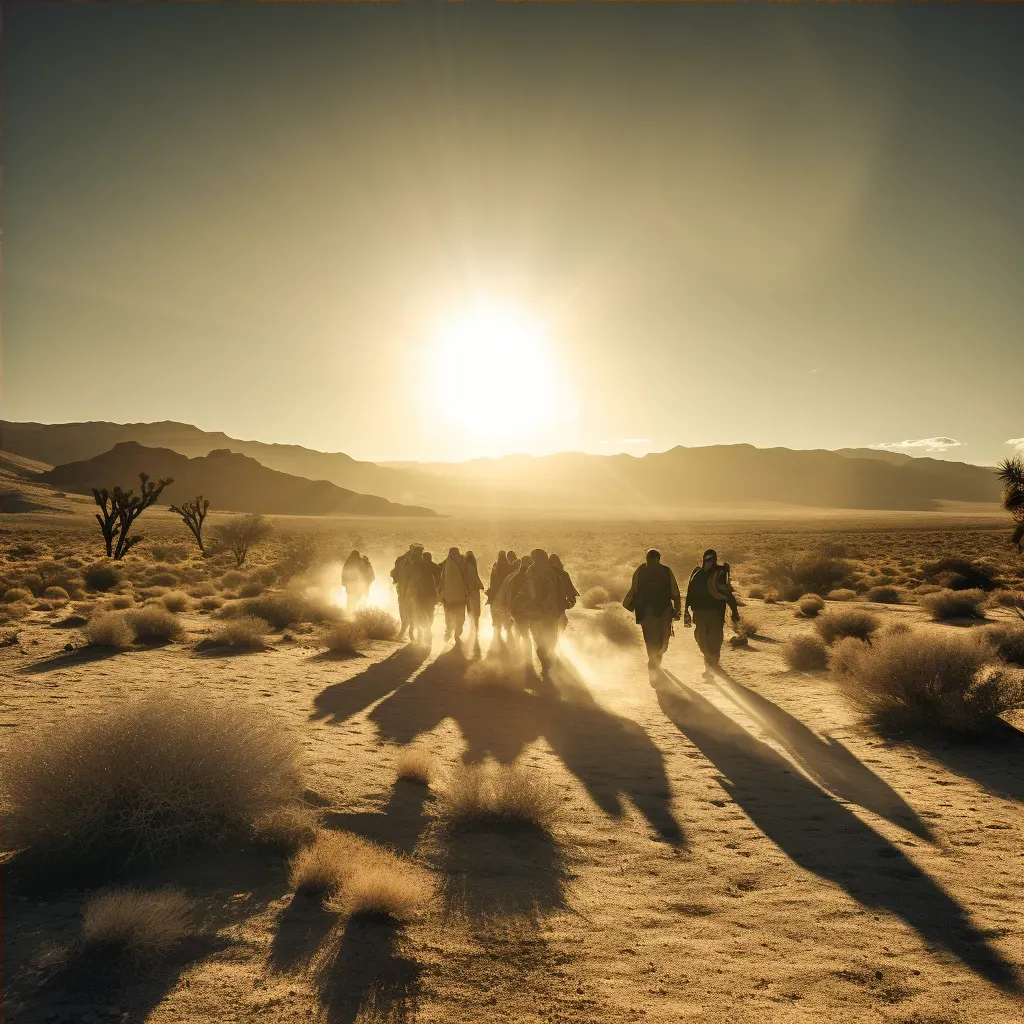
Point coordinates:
[[843, 654], [154, 624], [1007, 640], [1008, 599], [935, 681], [842, 594], [839, 622], [616, 626], [119, 602], [489, 794], [807, 572], [895, 628], [44, 606], [955, 604], [806, 653], [52, 574], [960, 574], [162, 579], [614, 584], [142, 779], [884, 595], [246, 633], [343, 637], [749, 625], [241, 533], [58, 595], [376, 623], [17, 594], [109, 629], [202, 590], [134, 925], [757, 593], [102, 576], [210, 604], [288, 607], [175, 601], [322, 867], [415, 764], [382, 886], [14, 610], [264, 575], [810, 605], [287, 828], [594, 597], [251, 588], [231, 580]]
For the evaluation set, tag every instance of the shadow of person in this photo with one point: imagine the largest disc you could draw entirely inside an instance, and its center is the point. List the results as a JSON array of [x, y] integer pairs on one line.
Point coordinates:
[[301, 929], [826, 838], [828, 761], [367, 976], [340, 701], [398, 825], [70, 659]]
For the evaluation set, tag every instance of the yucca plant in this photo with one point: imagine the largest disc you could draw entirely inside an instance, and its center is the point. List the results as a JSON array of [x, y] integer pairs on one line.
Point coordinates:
[[1011, 473]]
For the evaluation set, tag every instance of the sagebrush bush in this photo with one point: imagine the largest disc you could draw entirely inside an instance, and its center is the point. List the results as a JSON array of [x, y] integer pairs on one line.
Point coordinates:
[[960, 574], [749, 625], [143, 779], [166, 578], [247, 633], [210, 604], [376, 623], [757, 593], [1007, 640], [810, 605], [799, 574], [594, 597], [385, 886], [944, 682], [284, 608], [57, 596], [843, 654], [955, 604], [102, 576], [109, 629], [202, 590], [322, 867], [843, 594], [175, 601], [153, 624], [287, 828], [488, 794], [806, 653], [343, 637], [839, 622], [884, 595], [134, 925], [17, 594], [415, 764], [119, 602], [616, 626], [251, 588]]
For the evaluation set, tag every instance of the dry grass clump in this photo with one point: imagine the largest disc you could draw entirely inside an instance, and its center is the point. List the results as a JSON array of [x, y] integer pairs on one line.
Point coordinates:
[[940, 682], [283, 609], [247, 633], [343, 637], [163, 579], [749, 625], [109, 629], [176, 601], [594, 597], [1007, 640], [810, 604], [134, 925], [142, 779], [839, 622], [287, 828], [884, 595], [805, 653], [202, 590], [210, 603], [843, 594], [415, 764], [1008, 599], [154, 624], [795, 575], [843, 655], [322, 867], [616, 626], [757, 593], [102, 576], [960, 574], [14, 610], [376, 623], [57, 596], [119, 602], [17, 594], [491, 794], [955, 604]]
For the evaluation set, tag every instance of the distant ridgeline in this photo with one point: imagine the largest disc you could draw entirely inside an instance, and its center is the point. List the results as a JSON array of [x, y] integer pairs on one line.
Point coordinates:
[[571, 481]]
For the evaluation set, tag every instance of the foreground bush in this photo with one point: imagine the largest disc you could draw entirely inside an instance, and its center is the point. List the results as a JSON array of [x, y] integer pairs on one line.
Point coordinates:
[[102, 576], [805, 653], [343, 637], [594, 597], [17, 594], [1007, 640], [109, 629], [945, 683], [415, 764], [616, 626], [57, 595], [247, 633], [810, 605], [839, 622], [141, 780], [884, 595], [287, 608], [133, 925], [749, 625], [376, 623], [960, 574], [153, 624], [843, 655], [489, 794], [843, 594], [955, 604], [287, 828], [176, 601]]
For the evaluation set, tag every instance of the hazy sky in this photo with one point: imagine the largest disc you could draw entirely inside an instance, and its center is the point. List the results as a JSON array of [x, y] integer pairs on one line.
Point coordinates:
[[434, 232]]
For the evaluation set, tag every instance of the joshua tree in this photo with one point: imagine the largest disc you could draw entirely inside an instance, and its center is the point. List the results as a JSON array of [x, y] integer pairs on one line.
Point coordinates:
[[241, 533], [193, 513], [1011, 472], [119, 509]]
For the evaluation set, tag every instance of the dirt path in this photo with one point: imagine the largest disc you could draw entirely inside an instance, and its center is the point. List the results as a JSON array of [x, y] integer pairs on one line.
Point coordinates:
[[735, 848]]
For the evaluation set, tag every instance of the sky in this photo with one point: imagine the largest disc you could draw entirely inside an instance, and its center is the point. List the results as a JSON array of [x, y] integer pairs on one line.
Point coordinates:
[[433, 232]]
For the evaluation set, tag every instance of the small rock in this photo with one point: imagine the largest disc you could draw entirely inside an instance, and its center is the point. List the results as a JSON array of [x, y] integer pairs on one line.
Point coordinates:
[[69, 646]]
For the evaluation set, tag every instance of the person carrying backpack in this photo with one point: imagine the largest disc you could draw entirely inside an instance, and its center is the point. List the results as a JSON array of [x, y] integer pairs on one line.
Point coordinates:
[[708, 593], [569, 591], [536, 603], [654, 598]]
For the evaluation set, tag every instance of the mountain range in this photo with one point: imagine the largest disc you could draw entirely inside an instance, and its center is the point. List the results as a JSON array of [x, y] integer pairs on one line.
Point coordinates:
[[853, 478]]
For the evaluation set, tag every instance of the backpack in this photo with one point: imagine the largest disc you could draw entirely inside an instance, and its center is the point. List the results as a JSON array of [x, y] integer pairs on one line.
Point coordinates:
[[537, 596], [655, 592]]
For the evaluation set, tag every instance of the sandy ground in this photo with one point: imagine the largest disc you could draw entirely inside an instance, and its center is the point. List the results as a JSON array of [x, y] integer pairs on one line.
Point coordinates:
[[735, 847]]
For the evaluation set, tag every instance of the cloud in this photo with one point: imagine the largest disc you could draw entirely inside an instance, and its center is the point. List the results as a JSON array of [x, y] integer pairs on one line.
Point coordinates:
[[1017, 442], [928, 444]]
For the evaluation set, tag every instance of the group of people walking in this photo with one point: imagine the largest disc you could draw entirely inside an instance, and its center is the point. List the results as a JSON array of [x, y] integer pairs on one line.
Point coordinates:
[[356, 577]]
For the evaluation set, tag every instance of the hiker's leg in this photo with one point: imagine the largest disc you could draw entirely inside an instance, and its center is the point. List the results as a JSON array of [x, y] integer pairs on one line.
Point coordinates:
[[458, 619], [700, 632], [716, 631]]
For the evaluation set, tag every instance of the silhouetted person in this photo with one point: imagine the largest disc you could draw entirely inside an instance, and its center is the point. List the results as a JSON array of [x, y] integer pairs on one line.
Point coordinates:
[[368, 575], [517, 573], [569, 591], [708, 592], [536, 603], [454, 590], [400, 577], [499, 573], [475, 586], [654, 598], [422, 596], [352, 577]]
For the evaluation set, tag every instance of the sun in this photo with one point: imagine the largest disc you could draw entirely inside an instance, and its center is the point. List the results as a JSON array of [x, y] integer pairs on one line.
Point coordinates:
[[494, 372]]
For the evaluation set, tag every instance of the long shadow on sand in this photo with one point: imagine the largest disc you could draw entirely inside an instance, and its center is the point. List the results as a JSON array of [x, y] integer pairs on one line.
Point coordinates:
[[997, 763], [70, 659], [829, 762], [340, 701], [836, 845], [611, 755], [399, 825]]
